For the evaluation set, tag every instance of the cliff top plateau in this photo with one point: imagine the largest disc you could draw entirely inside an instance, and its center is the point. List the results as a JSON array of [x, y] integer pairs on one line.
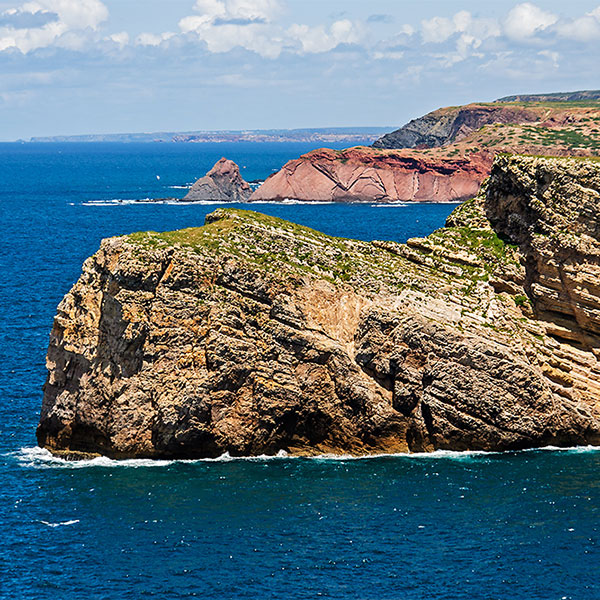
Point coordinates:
[[252, 335]]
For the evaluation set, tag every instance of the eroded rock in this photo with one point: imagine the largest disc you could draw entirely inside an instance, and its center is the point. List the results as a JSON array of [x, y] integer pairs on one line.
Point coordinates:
[[223, 182], [252, 335]]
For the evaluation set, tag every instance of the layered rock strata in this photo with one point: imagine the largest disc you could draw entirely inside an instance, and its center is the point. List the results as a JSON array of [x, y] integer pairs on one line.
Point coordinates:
[[445, 126], [222, 183], [361, 175], [252, 335]]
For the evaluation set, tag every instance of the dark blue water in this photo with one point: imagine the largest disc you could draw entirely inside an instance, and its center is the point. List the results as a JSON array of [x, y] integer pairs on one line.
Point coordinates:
[[518, 526]]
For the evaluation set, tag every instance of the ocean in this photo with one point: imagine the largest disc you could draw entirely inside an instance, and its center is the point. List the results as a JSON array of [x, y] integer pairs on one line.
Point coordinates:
[[471, 526]]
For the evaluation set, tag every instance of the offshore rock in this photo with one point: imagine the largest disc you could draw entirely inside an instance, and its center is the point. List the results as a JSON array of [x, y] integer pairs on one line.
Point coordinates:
[[222, 183], [364, 175], [252, 335]]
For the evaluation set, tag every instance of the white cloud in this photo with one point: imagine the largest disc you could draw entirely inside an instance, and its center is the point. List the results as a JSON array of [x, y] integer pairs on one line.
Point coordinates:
[[238, 10], [74, 14], [552, 56], [153, 39], [318, 39], [227, 24], [584, 29], [437, 30], [69, 17], [440, 29], [525, 20], [121, 38]]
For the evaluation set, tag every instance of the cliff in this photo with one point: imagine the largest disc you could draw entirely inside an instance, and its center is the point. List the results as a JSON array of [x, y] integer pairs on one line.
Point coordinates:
[[444, 155], [222, 182], [551, 124], [444, 126], [361, 175], [251, 334]]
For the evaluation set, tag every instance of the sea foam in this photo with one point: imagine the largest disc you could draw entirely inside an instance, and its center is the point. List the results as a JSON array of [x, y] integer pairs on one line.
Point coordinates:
[[40, 458]]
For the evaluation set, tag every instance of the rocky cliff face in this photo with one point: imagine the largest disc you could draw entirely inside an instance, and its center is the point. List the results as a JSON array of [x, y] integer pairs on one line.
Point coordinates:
[[445, 126], [251, 334], [223, 182], [361, 175], [444, 155], [525, 123]]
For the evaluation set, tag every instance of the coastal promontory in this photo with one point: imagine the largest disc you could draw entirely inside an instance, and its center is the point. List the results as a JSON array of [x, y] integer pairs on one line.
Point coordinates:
[[444, 155], [252, 335]]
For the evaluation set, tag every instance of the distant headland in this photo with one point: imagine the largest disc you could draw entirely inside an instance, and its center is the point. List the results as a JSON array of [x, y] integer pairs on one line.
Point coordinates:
[[328, 135]]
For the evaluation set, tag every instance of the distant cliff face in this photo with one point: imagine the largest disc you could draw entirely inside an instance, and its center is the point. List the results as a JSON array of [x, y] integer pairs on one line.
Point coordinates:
[[252, 335], [364, 175], [529, 124], [445, 126], [222, 182], [445, 155]]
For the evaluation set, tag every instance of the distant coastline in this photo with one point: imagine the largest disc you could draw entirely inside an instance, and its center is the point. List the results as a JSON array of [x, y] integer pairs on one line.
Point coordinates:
[[349, 135]]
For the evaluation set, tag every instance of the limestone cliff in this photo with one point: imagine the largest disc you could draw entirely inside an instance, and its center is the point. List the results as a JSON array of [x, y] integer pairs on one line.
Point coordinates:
[[223, 182], [252, 335]]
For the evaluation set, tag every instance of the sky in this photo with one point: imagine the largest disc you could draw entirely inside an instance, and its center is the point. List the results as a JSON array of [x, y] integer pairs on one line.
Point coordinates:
[[110, 66]]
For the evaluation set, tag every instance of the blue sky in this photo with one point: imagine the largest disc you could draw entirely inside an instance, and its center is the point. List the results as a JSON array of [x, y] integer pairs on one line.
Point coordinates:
[[99, 66]]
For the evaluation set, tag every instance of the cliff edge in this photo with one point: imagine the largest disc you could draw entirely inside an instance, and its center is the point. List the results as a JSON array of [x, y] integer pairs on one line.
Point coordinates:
[[252, 335]]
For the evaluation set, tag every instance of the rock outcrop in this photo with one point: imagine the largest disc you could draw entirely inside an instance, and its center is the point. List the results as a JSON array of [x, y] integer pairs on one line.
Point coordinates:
[[252, 335], [362, 175], [445, 126], [520, 122], [222, 183], [444, 155]]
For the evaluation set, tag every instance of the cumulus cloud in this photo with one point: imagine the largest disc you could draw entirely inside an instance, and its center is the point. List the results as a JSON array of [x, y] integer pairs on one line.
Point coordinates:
[[583, 29], [43, 23], [318, 39], [121, 38], [18, 19], [153, 39], [439, 29], [227, 24], [525, 20]]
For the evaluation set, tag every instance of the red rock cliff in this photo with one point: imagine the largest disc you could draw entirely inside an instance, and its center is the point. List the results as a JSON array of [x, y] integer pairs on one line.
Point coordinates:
[[368, 175]]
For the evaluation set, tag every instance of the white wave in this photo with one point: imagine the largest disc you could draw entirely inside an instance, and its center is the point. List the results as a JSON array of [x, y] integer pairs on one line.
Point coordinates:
[[180, 187], [390, 205], [40, 458], [117, 202], [152, 201], [63, 524], [292, 202]]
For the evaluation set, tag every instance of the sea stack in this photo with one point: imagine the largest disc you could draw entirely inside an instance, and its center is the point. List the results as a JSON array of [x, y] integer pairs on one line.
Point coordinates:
[[252, 335], [222, 183]]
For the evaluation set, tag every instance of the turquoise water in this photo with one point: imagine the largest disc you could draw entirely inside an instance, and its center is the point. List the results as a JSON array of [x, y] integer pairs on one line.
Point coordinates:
[[515, 526]]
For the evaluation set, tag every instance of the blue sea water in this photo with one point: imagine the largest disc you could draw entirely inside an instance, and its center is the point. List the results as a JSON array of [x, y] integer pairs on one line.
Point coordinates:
[[446, 526]]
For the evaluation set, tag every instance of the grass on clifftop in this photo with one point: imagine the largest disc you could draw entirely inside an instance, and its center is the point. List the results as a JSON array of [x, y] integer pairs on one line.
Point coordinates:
[[279, 247]]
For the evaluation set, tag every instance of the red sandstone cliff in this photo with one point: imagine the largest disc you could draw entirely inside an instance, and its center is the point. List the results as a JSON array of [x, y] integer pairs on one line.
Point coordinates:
[[442, 156], [367, 175]]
